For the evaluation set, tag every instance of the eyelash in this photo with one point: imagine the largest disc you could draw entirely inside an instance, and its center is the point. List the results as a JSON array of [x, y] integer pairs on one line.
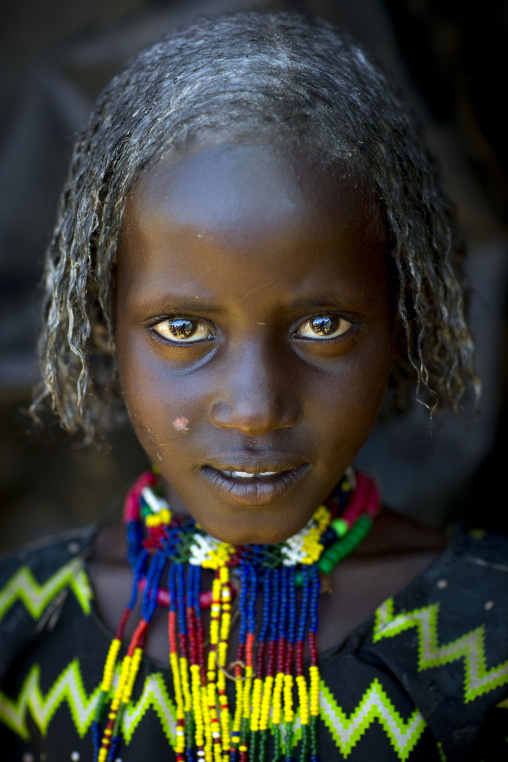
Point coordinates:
[[182, 318], [331, 318], [325, 317]]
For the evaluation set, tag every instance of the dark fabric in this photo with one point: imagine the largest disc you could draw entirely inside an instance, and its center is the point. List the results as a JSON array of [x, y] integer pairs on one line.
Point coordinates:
[[424, 679]]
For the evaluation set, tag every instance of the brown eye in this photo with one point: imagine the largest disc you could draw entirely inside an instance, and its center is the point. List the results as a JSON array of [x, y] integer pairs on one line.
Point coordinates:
[[183, 330], [323, 327]]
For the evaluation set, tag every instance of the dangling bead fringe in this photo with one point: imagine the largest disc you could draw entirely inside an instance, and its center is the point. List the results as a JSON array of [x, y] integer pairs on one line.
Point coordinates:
[[272, 685]]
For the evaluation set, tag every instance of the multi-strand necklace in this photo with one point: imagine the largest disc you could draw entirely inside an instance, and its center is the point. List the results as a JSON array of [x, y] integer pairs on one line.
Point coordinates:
[[274, 711]]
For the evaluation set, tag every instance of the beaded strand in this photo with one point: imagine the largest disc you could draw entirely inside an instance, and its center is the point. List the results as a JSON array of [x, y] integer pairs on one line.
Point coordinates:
[[272, 685]]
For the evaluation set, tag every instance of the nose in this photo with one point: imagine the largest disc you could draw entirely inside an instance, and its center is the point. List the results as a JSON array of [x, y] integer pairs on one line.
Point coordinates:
[[257, 393]]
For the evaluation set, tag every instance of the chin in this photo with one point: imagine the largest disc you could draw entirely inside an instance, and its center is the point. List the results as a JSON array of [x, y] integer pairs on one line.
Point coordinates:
[[250, 532]]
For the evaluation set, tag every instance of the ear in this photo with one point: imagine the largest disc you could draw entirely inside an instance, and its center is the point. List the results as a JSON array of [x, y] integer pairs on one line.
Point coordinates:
[[101, 339]]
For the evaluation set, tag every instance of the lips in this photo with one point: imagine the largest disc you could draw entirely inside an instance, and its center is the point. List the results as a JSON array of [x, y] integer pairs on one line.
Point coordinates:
[[250, 483]]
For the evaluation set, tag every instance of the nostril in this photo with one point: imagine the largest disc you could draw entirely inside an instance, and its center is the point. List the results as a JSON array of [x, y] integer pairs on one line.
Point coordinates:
[[255, 419]]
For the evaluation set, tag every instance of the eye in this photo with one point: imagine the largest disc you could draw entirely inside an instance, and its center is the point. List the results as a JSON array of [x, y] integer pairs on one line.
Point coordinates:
[[323, 327], [182, 330]]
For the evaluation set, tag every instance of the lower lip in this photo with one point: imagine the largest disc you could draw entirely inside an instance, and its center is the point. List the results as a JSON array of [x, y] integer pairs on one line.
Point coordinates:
[[256, 491]]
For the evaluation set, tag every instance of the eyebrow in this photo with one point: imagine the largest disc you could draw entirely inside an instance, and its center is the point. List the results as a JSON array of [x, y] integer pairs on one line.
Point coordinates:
[[326, 301], [169, 304]]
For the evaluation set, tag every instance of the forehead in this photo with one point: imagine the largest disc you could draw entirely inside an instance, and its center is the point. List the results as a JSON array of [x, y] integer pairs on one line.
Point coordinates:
[[224, 214], [228, 186]]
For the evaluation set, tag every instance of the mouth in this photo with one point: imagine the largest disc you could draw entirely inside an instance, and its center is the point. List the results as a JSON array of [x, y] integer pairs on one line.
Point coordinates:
[[258, 484], [247, 475]]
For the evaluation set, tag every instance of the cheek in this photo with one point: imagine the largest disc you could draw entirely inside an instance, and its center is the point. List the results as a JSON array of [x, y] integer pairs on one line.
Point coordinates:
[[159, 408], [348, 399], [161, 423]]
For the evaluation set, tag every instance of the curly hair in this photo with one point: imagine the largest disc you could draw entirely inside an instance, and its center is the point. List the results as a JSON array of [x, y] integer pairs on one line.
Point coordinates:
[[237, 75]]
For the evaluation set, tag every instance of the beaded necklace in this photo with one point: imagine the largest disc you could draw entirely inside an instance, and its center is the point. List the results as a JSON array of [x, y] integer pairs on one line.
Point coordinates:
[[272, 687]]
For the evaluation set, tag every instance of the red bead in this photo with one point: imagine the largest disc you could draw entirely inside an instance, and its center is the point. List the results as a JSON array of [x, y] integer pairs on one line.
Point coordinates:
[[138, 639], [281, 647], [260, 660], [270, 667], [313, 649], [123, 622], [300, 645], [289, 658]]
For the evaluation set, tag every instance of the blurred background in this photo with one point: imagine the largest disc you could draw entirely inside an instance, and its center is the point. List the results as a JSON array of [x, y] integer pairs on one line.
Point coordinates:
[[56, 56]]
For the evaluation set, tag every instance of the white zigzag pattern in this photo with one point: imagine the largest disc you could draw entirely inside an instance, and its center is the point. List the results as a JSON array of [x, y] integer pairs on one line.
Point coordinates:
[[36, 597], [374, 705], [155, 695], [68, 688], [471, 647]]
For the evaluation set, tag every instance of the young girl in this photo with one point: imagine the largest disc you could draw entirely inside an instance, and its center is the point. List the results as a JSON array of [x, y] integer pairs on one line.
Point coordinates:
[[253, 256]]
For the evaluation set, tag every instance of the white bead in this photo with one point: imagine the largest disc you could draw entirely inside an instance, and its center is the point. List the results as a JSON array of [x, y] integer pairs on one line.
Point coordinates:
[[157, 504]]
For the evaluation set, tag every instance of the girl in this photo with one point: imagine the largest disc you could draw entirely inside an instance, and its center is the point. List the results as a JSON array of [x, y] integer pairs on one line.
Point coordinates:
[[252, 257]]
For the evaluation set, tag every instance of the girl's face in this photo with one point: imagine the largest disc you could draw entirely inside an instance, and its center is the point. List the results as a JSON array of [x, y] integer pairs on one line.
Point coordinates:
[[253, 328]]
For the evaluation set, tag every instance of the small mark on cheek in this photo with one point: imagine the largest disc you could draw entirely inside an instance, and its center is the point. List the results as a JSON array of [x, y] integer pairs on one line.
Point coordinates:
[[181, 423]]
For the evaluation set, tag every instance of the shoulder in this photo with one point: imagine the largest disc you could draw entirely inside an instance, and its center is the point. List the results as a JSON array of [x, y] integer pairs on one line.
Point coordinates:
[[445, 637], [34, 580], [37, 562], [464, 590], [477, 546], [470, 578], [53, 547]]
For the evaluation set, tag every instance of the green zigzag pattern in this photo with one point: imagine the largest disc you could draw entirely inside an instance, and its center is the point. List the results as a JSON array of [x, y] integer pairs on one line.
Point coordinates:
[[24, 587], [69, 688], [375, 706], [470, 647]]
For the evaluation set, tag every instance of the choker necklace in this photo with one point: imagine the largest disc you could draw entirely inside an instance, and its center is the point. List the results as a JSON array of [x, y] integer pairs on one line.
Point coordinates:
[[273, 688]]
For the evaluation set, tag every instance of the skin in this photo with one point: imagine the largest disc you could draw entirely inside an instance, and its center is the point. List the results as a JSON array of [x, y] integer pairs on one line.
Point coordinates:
[[266, 237], [248, 243]]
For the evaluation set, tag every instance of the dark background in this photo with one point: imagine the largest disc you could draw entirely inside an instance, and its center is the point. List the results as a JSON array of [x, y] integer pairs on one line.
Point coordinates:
[[55, 57]]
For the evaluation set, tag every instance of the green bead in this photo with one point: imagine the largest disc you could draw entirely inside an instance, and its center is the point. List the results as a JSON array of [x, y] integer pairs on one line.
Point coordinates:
[[263, 745], [288, 740], [346, 545], [325, 565], [366, 522], [101, 703], [340, 527], [253, 746], [277, 741]]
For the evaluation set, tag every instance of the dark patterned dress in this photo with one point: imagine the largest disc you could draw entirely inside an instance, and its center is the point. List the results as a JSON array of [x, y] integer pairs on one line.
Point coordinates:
[[425, 678]]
